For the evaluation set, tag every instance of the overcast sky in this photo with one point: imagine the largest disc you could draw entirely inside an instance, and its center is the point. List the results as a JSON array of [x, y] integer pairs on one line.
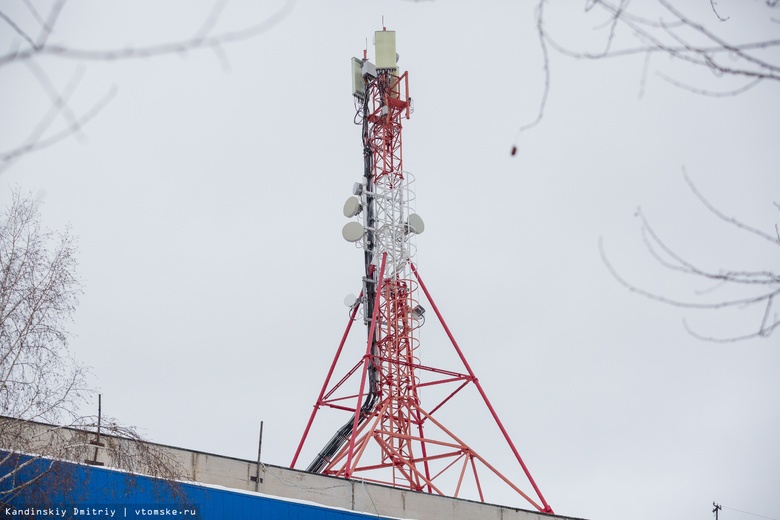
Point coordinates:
[[207, 200]]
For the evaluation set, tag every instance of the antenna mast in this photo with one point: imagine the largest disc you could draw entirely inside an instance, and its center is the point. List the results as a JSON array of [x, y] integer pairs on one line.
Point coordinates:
[[389, 437]]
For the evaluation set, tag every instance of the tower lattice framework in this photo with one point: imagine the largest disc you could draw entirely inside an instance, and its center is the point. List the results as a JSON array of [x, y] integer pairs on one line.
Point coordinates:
[[390, 437]]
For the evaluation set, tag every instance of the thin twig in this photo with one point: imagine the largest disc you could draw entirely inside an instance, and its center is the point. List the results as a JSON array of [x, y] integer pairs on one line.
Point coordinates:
[[16, 28], [7, 158], [732, 339], [717, 14], [51, 21], [731, 220], [650, 237], [127, 53], [710, 93], [59, 103], [546, 65], [648, 32], [680, 303]]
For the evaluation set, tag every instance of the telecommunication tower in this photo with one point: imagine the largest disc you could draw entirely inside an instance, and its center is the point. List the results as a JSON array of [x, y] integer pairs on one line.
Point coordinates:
[[389, 437]]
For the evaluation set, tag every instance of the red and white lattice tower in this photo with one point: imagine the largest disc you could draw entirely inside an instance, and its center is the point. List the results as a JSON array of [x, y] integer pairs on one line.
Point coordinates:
[[390, 437]]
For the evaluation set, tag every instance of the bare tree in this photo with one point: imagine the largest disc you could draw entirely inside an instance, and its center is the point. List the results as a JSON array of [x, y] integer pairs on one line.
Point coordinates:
[[42, 387], [39, 291]]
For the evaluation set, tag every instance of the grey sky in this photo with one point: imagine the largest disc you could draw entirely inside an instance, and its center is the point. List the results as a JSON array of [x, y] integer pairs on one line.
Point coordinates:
[[208, 206]]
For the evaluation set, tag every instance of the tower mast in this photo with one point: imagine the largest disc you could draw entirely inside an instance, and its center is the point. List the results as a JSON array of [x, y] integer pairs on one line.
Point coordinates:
[[390, 438]]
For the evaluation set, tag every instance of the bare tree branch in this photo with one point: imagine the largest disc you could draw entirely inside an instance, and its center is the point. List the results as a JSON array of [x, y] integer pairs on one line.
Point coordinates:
[[197, 42], [651, 35], [731, 220], [717, 14], [667, 37], [766, 282], [34, 12], [33, 455], [650, 237], [17, 29], [710, 93], [211, 20], [546, 66], [51, 21], [40, 47], [36, 144], [737, 50], [58, 103], [671, 32], [761, 333], [679, 303]]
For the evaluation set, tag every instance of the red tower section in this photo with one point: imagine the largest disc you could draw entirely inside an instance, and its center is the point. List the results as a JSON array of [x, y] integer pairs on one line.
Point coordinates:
[[390, 437]]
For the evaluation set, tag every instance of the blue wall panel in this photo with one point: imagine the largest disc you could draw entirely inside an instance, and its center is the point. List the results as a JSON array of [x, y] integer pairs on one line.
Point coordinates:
[[74, 491]]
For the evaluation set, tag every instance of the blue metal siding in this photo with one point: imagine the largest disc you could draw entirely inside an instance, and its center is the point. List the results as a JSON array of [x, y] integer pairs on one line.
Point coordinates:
[[82, 492]]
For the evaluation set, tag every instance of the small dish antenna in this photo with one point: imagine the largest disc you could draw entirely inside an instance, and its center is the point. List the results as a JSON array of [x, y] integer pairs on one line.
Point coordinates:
[[352, 231], [350, 300], [415, 223], [352, 207]]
